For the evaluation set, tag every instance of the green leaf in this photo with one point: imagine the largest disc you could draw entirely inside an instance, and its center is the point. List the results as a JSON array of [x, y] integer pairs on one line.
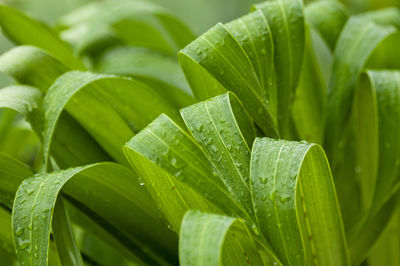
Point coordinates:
[[23, 99], [36, 198], [7, 252], [309, 102], [328, 23], [159, 71], [24, 30], [295, 203], [31, 66], [348, 60], [244, 55], [110, 111], [359, 37], [62, 234], [12, 172], [81, 148], [378, 158], [169, 161], [218, 61], [286, 22], [210, 239], [217, 125], [284, 188]]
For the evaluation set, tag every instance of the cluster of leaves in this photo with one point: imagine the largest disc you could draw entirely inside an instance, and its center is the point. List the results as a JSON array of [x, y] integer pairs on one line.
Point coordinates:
[[146, 161]]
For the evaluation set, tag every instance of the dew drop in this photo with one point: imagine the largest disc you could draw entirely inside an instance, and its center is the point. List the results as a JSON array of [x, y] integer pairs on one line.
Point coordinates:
[[23, 244], [141, 182], [284, 199], [19, 231]]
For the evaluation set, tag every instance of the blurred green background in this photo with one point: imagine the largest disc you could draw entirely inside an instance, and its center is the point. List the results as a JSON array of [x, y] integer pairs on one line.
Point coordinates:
[[199, 15]]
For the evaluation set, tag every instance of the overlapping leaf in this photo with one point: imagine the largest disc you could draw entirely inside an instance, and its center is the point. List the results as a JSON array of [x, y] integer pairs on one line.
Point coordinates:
[[276, 190], [23, 30], [36, 199], [252, 56]]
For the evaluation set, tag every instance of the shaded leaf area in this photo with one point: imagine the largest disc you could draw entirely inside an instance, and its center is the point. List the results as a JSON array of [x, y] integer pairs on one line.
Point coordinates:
[[281, 189]]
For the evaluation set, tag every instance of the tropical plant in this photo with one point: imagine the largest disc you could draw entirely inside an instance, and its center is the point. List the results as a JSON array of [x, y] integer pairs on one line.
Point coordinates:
[[113, 154]]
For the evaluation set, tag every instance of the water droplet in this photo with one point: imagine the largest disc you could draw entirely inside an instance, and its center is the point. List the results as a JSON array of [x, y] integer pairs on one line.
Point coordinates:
[[141, 182], [23, 244], [29, 191], [255, 229], [264, 179], [19, 231], [214, 148], [272, 195], [178, 174], [284, 199]]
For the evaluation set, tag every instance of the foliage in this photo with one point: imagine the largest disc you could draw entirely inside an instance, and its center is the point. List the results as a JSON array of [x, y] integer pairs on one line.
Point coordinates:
[[115, 151]]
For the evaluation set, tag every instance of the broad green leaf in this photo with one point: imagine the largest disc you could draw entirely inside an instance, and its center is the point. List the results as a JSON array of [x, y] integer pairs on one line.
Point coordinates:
[[376, 116], [222, 59], [7, 252], [295, 203], [385, 250], [289, 183], [217, 125], [328, 18], [68, 251], [88, 226], [31, 66], [212, 240], [24, 30], [364, 235], [244, 55], [309, 102], [384, 16], [286, 22], [23, 99], [111, 110], [19, 141], [358, 39], [159, 71], [173, 167], [35, 201], [81, 148], [98, 251], [12, 172], [378, 159]]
